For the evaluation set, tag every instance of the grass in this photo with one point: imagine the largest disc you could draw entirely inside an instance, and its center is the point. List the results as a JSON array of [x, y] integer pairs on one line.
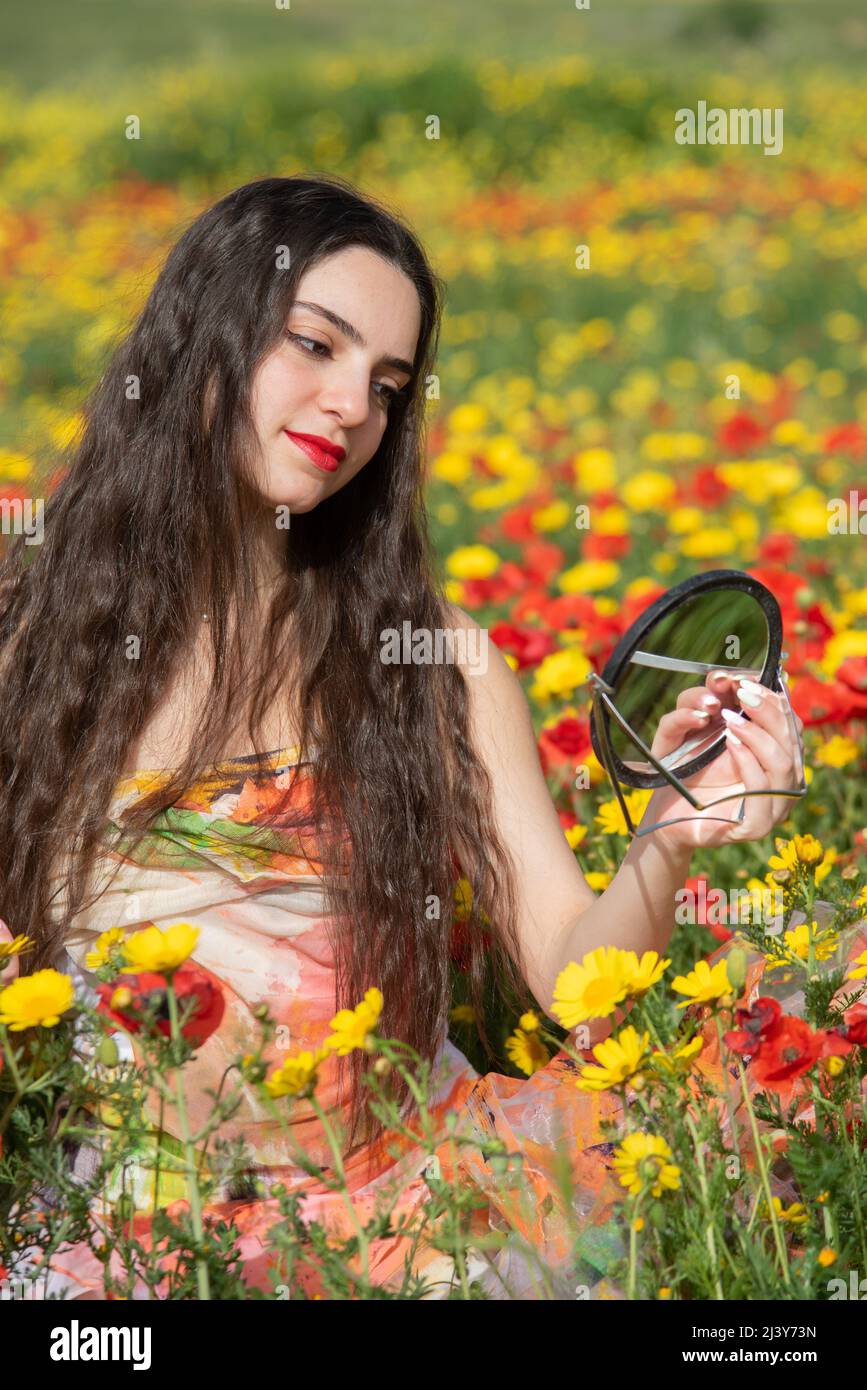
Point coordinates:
[[56, 42]]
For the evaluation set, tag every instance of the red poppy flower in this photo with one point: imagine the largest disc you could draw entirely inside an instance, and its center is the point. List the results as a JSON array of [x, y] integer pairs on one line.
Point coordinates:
[[849, 438], [778, 548], [853, 674], [754, 1025], [516, 524], [741, 433], [542, 560], [822, 702], [529, 645], [565, 743], [854, 1025], [605, 547], [605, 497], [706, 489], [149, 992], [787, 1051], [530, 604], [568, 610]]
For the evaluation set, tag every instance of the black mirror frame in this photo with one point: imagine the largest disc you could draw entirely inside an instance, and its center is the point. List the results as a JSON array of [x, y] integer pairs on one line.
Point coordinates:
[[603, 707]]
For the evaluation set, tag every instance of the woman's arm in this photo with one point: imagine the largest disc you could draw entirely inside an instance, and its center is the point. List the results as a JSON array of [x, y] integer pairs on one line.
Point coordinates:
[[559, 916]]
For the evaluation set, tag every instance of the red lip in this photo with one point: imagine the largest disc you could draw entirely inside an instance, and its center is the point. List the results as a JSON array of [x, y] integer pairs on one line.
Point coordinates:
[[322, 452]]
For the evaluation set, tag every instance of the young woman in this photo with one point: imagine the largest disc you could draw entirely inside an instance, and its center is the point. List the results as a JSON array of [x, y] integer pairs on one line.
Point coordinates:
[[197, 723]]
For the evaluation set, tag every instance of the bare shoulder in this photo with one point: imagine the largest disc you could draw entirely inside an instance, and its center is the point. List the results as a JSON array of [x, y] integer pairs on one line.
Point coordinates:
[[496, 695]]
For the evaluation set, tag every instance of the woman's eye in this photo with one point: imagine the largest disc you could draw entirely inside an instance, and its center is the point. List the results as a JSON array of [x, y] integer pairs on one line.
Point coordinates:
[[300, 338], [312, 346], [390, 393]]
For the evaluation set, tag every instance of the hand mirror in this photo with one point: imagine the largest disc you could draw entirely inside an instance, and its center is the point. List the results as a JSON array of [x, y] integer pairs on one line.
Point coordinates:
[[707, 633]]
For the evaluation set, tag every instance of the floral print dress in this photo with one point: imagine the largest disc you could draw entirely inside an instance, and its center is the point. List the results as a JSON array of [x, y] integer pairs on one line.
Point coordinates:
[[256, 895]]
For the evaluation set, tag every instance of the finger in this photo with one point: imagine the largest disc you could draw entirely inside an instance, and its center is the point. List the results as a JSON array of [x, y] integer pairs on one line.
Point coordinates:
[[764, 707], [771, 711], [676, 727], [722, 684], [755, 824], [775, 770], [698, 697], [774, 758]]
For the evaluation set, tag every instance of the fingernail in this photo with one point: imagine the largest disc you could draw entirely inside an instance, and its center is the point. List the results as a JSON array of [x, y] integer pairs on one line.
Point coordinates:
[[731, 716], [753, 687], [719, 675], [700, 714], [709, 700], [732, 736], [747, 697]]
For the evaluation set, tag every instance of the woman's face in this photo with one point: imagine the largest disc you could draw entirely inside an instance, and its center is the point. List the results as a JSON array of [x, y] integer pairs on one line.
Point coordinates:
[[333, 379]]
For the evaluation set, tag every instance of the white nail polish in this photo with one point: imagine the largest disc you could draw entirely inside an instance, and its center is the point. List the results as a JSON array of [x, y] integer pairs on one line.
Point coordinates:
[[753, 687], [747, 697], [700, 714], [732, 736], [732, 716], [709, 700]]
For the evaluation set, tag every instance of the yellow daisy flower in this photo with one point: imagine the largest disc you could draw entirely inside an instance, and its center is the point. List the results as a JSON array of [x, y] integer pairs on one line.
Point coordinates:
[[560, 674], [610, 817], [472, 562], [598, 879], [860, 971], [592, 989], [463, 898], [679, 1062], [353, 1027], [8, 949], [618, 1059], [642, 975], [296, 1074], [703, 985], [837, 752], [463, 1013], [36, 1001], [575, 834], [527, 1051], [159, 950], [642, 1162], [105, 948], [801, 849], [798, 941], [795, 1215]]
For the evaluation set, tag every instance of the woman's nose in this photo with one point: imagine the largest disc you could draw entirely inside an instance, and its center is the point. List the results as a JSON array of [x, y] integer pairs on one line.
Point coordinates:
[[349, 396]]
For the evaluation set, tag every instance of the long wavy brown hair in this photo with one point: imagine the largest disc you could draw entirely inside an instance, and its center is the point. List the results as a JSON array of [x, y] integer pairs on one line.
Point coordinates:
[[151, 522]]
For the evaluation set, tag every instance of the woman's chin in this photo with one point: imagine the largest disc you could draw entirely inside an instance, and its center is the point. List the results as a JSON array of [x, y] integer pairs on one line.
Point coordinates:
[[298, 496]]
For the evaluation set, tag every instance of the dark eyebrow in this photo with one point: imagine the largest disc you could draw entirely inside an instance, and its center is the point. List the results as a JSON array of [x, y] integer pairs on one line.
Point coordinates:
[[351, 332]]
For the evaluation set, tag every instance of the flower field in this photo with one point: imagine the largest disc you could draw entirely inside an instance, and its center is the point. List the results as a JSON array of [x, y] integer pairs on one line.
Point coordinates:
[[698, 390]]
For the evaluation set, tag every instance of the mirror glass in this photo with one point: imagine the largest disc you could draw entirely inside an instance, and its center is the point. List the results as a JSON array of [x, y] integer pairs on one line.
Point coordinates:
[[706, 644]]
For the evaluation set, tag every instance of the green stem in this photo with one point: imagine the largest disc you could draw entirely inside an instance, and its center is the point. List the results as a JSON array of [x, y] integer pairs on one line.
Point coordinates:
[[202, 1279], [763, 1172], [363, 1242], [633, 1251], [729, 1101], [708, 1212]]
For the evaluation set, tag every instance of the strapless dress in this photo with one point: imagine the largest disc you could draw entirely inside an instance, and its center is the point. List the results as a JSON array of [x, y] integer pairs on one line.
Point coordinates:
[[256, 894]]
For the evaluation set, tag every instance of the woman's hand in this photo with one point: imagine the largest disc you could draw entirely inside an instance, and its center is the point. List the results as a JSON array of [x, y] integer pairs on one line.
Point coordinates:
[[760, 753]]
